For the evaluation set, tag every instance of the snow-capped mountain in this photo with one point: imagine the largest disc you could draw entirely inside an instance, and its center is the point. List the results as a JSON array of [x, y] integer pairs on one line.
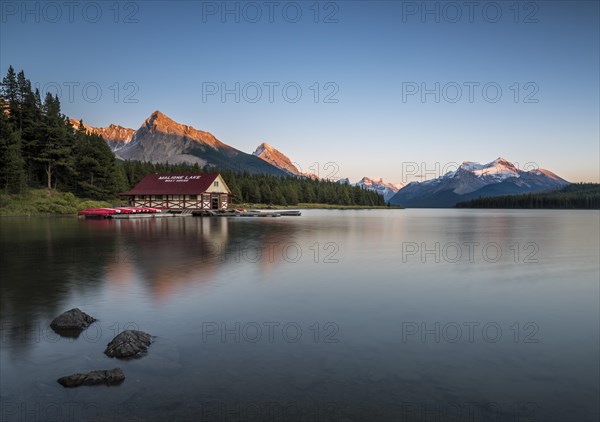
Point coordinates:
[[115, 136], [472, 180], [160, 139], [387, 190], [273, 156]]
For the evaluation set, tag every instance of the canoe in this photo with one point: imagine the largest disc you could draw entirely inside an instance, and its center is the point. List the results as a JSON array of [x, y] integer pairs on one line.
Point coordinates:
[[98, 211]]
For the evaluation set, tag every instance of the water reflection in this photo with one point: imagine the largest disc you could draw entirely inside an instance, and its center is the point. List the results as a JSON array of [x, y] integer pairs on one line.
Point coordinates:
[[49, 258], [173, 277], [43, 259]]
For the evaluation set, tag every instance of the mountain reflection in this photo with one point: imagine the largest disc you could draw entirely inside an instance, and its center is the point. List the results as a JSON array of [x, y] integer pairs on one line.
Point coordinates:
[[166, 255], [89, 257]]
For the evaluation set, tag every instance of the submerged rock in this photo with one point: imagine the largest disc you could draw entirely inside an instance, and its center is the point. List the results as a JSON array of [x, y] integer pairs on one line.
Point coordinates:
[[108, 377], [71, 323], [128, 344]]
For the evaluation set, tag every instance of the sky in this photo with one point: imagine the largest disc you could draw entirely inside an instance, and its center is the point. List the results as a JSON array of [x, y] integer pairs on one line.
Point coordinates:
[[395, 89]]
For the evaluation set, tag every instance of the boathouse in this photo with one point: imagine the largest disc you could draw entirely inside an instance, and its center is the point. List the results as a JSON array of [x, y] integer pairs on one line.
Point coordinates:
[[193, 191]]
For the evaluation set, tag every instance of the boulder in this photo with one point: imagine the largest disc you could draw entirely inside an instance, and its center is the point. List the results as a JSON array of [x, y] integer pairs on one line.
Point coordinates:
[[108, 377], [128, 344], [71, 323]]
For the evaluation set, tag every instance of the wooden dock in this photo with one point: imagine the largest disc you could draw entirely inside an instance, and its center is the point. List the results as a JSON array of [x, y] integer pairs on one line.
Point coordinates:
[[249, 213], [126, 213], [157, 215]]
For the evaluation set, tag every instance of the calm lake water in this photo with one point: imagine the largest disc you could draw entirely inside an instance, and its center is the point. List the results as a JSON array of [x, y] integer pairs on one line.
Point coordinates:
[[404, 315]]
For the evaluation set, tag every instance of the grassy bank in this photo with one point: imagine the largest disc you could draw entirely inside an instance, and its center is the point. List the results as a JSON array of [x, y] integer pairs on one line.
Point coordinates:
[[313, 206], [42, 201]]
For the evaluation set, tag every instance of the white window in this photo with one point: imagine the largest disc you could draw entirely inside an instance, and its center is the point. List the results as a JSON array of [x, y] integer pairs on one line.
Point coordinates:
[[216, 184]]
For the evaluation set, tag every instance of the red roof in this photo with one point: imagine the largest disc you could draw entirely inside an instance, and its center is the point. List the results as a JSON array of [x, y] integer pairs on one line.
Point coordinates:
[[173, 184]]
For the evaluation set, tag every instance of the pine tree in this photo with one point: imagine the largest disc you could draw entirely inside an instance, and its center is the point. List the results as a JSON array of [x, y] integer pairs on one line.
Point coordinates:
[[291, 195], [31, 128], [55, 154], [237, 195], [12, 174], [277, 197], [10, 94]]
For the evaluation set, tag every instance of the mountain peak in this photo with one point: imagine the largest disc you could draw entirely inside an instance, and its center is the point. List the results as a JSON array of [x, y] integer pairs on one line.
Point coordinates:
[[262, 148], [160, 122], [164, 129], [502, 163], [499, 165], [158, 118], [275, 157], [158, 113], [387, 190]]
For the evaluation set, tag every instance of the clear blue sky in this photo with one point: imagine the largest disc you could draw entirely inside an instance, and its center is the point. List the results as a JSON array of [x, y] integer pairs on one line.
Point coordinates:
[[370, 53]]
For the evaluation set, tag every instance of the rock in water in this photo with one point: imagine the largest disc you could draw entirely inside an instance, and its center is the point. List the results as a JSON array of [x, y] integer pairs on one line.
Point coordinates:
[[114, 376], [128, 344], [72, 322]]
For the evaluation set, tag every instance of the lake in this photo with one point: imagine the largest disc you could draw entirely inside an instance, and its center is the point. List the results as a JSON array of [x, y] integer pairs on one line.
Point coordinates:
[[342, 315]]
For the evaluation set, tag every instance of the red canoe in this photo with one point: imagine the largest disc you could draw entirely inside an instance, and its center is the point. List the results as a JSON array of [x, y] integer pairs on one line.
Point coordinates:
[[105, 212], [98, 211]]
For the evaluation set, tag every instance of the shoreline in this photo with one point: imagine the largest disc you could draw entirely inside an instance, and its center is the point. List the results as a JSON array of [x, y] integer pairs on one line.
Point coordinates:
[[262, 207], [319, 206], [41, 202]]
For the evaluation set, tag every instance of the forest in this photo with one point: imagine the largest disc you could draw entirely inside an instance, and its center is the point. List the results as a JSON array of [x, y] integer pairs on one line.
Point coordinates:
[[266, 189], [40, 149], [574, 196]]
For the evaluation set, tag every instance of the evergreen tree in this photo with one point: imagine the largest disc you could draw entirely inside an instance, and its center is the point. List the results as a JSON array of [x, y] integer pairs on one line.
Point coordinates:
[[12, 175], [55, 154], [236, 192], [291, 195], [277, 197], [10, 94], [32, 130]]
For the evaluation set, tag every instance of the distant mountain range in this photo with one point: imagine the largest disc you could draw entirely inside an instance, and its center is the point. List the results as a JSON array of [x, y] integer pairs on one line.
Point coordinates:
[[115, 136], [160, 139], [473, 180], [387, 190], [280, 160]]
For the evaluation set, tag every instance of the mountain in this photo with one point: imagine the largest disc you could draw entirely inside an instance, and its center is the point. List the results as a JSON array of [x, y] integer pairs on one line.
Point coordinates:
[[115, 136], [161, 139], [271, 155], [387, 190], [473, 180], [278, 159]]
